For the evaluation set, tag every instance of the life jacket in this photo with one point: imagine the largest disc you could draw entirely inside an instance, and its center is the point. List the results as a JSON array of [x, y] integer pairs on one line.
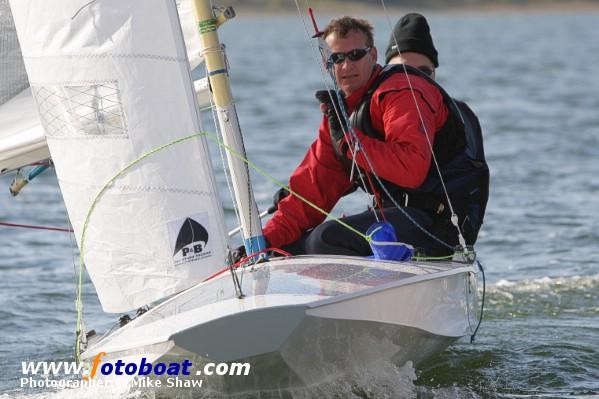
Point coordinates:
[[458, 148]]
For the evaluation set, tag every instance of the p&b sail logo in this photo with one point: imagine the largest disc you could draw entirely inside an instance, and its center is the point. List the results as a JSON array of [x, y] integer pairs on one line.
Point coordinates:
[[192, 238]]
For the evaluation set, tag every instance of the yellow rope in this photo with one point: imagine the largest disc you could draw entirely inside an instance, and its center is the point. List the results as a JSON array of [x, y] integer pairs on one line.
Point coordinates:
[[79, 305]]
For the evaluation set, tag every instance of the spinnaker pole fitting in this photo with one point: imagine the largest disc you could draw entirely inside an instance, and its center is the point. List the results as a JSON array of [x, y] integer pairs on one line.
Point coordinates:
[[21, 180]]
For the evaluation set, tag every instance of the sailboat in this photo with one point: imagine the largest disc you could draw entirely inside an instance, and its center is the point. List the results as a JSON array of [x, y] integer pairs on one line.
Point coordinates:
[[119, 110]]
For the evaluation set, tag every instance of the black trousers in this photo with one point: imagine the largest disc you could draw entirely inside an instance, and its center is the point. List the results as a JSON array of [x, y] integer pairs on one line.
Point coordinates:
[[332, 238]]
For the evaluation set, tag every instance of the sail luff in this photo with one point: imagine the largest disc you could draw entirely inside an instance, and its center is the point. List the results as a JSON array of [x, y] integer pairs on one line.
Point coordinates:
[[229, 125]]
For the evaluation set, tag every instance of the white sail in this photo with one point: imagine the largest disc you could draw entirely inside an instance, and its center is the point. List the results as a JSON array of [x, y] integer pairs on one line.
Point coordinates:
[[22, 140], [190, 32], [21, 136], [112, 81], [13, 78]]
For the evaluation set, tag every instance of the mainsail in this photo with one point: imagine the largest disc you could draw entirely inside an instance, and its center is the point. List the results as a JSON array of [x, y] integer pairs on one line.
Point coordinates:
[[22, 140], [21, 136], [14, 78], [112, 81]]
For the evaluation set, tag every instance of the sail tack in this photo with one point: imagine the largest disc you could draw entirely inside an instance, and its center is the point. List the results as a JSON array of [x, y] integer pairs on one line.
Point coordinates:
[[112, 82]]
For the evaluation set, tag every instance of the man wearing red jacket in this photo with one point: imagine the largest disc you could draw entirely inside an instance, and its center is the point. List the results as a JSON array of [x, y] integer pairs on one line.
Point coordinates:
[[406, 113]]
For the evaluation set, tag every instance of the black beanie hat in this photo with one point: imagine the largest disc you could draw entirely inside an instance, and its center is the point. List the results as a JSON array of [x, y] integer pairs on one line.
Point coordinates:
[[412, 34]]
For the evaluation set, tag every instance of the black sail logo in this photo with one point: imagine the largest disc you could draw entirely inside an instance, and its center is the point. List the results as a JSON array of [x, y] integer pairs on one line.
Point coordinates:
[[192, 238]]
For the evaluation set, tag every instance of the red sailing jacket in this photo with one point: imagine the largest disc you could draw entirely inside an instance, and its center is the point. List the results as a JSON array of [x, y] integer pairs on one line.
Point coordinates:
[[404, 158]]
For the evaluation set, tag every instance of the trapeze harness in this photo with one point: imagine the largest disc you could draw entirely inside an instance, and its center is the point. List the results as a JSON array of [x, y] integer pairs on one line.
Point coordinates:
[[458, 148]]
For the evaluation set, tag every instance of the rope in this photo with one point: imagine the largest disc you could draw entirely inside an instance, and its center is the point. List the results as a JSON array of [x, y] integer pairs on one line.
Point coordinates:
[[367, 158], [282, 185], [323, 51], [350, 135], [79, 305], [243, 260], [454, 216], [224, 163], [228, 179], [482, 303], [34, 227], [426, 258]]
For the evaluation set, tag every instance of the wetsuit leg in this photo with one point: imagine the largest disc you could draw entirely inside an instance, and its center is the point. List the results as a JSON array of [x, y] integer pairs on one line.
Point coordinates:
[[334, 238], [406, 231]]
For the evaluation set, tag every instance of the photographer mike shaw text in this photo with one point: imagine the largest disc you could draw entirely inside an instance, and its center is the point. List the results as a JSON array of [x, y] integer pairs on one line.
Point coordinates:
[[143, 371], [171, 382]]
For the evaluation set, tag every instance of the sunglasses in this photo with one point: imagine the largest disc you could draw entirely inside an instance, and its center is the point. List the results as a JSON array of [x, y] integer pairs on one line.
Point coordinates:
[[353, 55]]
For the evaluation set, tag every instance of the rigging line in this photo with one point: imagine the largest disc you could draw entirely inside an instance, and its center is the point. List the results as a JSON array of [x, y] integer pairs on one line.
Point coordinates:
[[250, 233], [99, 195], [368, 161], [320, 62], [73, 246], [82, 7], [235, 209], [360, 147], [482, 305], [282, 185], [348, 132], [224, 163], [250, 195], [403, 211], [454, 217], [35, 227], [386, 191], [352, 138], [342, 115], [228, 180], [79, 306]]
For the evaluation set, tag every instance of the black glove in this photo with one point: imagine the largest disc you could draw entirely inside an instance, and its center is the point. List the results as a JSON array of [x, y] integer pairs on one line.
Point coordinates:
[[276, 198], [337, 123], [235, 255]]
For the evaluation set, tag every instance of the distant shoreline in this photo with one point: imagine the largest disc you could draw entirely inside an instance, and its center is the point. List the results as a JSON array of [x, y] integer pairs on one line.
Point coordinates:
[[333, 7]]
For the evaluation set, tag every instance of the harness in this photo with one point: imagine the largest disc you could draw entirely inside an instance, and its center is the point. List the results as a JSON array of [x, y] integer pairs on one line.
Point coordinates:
[[458, 148]]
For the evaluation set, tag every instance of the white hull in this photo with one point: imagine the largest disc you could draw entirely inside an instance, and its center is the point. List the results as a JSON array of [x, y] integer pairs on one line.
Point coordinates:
[[306, 319]]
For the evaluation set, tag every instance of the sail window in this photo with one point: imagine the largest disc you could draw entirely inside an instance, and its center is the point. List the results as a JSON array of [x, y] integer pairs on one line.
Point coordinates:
[[90, 111]]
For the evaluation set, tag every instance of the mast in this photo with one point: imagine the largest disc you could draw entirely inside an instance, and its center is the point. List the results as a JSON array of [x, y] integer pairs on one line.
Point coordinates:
[[218, 76]]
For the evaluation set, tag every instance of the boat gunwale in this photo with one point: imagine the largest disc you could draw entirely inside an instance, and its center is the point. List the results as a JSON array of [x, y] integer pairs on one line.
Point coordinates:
[[325, 301]]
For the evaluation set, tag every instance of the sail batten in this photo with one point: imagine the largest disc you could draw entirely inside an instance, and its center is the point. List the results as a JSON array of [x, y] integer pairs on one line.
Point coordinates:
[[112, 82]]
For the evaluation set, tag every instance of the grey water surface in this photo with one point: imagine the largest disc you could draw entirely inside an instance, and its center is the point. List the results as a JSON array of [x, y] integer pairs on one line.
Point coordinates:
[[532, 79]]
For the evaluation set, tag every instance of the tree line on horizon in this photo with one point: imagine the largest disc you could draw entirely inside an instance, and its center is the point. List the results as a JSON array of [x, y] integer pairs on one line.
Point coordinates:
[[411, 3]]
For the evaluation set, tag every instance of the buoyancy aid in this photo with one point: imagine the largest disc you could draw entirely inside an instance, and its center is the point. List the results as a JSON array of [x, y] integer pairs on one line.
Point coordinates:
[[458, 148]]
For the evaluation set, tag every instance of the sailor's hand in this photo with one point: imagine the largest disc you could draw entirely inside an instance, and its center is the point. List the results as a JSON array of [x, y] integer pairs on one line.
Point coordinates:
[[276, 198], [235, 255], [329, 105]]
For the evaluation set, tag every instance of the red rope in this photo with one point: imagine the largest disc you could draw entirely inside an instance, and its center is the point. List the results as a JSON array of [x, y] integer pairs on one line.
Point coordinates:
[[29, 226], [245, 259]]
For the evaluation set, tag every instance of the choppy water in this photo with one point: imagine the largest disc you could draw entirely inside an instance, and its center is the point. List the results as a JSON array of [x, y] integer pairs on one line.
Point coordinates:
[[532, 78]]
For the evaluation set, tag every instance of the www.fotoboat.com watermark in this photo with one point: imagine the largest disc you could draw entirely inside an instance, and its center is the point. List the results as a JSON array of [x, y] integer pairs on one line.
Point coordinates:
[[143, 373]]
